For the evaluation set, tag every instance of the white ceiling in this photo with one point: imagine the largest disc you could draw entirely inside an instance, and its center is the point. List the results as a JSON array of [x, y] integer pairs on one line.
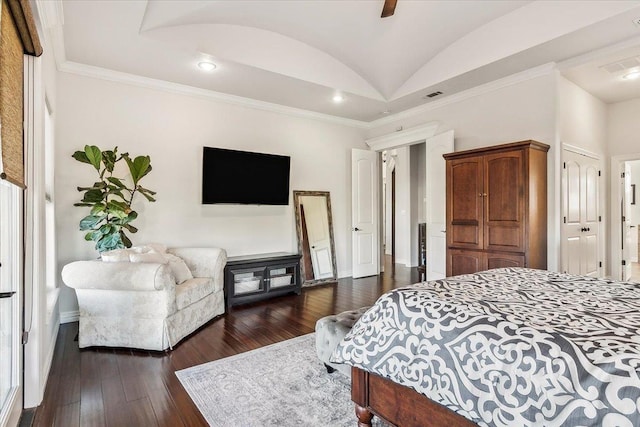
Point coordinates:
[[300, 53]]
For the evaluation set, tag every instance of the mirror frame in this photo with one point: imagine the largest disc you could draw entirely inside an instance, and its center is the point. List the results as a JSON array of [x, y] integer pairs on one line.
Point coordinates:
[[296, 198]]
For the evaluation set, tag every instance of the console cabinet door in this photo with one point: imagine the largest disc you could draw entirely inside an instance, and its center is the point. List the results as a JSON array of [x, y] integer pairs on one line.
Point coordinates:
[[504, 201], [464, 203]]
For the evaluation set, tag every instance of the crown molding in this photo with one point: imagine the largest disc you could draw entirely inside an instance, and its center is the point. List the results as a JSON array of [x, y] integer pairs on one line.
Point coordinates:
[[598, 53], [403, 137], [177, 88], [532, 73]]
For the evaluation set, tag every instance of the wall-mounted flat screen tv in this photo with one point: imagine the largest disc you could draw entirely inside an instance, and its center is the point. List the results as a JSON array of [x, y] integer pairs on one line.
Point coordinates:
[[242, 177]]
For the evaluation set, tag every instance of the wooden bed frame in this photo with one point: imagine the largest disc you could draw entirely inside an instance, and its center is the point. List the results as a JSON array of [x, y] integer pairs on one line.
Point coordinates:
[[398, 405]]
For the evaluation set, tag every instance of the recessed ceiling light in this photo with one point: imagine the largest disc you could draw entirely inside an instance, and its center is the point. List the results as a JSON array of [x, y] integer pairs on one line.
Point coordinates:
[[337, 98], [206, 66], [632, 75]]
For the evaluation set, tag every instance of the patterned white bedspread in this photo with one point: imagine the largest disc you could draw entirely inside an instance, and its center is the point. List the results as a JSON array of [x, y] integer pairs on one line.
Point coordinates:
[[510, 347]]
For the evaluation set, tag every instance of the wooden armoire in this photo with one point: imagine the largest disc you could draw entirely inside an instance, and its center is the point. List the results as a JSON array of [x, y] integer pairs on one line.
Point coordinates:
[[497, 207]]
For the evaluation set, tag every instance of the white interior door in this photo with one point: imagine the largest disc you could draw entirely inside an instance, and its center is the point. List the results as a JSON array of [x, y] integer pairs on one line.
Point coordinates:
[[581, 219], [436, 192], [364, 212], [317, 223], [625, 183]]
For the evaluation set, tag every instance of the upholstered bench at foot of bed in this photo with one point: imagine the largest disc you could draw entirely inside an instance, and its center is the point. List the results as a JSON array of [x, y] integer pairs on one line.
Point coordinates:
[[330, 330]]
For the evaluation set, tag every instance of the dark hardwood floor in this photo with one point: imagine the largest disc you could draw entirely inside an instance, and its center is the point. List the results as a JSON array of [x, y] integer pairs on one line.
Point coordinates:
[[121, 387]]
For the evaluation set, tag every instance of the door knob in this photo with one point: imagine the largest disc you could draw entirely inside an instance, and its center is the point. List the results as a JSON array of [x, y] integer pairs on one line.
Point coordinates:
[[356, 229]]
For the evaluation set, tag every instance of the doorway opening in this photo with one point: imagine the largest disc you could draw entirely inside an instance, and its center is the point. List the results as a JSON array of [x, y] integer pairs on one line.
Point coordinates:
[[630, 206]]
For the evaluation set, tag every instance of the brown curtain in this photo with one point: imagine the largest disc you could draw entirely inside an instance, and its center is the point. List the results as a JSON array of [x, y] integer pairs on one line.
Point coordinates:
[[17, 37]]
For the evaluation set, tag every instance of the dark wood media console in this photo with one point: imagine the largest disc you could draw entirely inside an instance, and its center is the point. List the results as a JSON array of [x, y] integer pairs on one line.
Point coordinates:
[[251, 278]]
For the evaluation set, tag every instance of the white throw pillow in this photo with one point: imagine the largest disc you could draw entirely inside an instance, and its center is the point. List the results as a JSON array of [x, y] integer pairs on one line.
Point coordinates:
[[179, 269], [140, 249], [115, 255], [148, 257], [157, 247]]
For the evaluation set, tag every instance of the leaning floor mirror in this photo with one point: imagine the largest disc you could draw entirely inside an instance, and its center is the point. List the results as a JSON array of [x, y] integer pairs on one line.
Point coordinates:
[[315, 237]]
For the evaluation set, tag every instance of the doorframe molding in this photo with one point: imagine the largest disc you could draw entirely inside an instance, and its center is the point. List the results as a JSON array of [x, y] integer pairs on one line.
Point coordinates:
[[402, 138], [616, 220], [580, 150]]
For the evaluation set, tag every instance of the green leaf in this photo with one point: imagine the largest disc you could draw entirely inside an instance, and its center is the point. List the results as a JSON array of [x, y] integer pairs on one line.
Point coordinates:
[[132, 215], [108, 229], [118, 193], [145, 190], [89, 222], [98, 209], [130, 227], [139, 167], [80, 156], [109, 242], [93, 196], [94, 155], [115, 205], [83, 204], [125, 239], [109, 159], [115, 181], [148, 197], [119, 214], [96, 186], [89, 236]]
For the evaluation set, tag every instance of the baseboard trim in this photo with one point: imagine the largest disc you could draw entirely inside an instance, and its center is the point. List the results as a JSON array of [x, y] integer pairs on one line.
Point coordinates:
[[48, 361], [69, 316]]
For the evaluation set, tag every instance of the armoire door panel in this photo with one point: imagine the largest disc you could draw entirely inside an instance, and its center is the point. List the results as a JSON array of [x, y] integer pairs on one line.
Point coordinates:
[[504, 201], [465, 204], [465, 262], [466, 235], [503, 186], [504, 238], [496, 260]]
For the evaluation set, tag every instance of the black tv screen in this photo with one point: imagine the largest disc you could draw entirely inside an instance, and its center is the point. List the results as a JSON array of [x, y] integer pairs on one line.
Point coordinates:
[[242, 177]]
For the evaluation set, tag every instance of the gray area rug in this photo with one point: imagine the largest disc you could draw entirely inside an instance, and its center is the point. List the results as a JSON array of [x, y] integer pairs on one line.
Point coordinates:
[[283, 384]]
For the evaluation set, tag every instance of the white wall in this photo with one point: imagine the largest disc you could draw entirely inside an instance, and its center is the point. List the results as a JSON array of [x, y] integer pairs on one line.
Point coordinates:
[[172, 129], [582, 122], [624, 128], [513, 112]]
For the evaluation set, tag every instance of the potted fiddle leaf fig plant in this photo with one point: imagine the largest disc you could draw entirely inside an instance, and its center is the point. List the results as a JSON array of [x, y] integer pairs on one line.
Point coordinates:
[[110, 197]]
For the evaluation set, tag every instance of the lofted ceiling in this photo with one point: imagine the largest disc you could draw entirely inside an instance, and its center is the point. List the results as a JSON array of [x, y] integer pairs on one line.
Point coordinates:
[[301, 53]]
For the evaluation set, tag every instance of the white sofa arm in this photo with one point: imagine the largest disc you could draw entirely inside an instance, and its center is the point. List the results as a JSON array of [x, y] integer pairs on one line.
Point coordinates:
[[122, 276], [203, 262]]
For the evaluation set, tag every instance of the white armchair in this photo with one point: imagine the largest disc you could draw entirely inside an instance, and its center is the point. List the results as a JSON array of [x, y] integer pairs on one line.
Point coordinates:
[[139, 304]]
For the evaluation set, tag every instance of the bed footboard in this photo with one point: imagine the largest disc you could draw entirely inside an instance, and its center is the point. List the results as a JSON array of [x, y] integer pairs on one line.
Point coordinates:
[[397, 405]]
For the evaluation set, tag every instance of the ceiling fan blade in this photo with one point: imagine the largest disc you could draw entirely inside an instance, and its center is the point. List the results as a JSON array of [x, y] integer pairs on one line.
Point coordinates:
[[388, 8]]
